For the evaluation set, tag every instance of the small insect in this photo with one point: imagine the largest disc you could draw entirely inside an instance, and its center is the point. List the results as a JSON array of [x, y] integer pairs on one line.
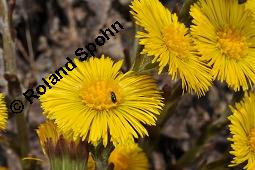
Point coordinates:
[[241, 1], [113, 97]]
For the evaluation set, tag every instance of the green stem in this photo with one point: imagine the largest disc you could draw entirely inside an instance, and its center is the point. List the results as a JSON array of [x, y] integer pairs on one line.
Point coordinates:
[[170, 104], [67, 163], [101, 155], [101, 164], [154, 131], [136, 58]]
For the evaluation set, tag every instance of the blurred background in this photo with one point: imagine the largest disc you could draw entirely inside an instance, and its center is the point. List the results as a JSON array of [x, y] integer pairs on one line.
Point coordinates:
[[194, 135]]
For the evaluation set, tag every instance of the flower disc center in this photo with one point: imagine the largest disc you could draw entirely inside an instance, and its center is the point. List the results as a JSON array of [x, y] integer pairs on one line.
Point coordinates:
[[252, 139], [101, 95], [176, 41], [231, 43]]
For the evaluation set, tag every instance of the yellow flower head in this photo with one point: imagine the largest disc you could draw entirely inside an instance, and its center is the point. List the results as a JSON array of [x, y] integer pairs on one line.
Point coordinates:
[[91, 165], [250, 5], [3, 168], [242, 128], [97, 101], [51, 138], [224, 34], [129, 157], [47, 132], [170, 43], [63, 153], [3, 113]]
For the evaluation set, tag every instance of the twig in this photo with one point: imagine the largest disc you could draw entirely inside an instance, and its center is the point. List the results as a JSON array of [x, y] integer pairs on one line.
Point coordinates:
[[22, 50], [29, 44], [14, 87], [11, 6]]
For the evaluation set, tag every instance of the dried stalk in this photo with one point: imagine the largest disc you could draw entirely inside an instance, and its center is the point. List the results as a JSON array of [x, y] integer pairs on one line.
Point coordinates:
[[14, 87]]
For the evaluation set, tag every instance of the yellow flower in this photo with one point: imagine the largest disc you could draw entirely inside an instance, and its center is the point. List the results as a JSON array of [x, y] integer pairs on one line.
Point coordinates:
[[129, 157], [63, 153], [3, 113], [242, 128], [224, 34], [97, 101], [91, 165], [250, 5], [170, 43], [3, 168], [251, 166], [47, 132]]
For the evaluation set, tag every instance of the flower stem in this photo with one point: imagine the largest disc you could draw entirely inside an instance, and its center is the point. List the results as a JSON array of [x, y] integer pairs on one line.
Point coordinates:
[[136, 59], [66, 163], [101, 155], [171, 104]]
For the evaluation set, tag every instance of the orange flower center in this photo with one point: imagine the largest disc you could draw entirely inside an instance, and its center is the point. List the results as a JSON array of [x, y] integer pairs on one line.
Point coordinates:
[[176, 41], [101, 95], [231, 43], [252, 139]]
